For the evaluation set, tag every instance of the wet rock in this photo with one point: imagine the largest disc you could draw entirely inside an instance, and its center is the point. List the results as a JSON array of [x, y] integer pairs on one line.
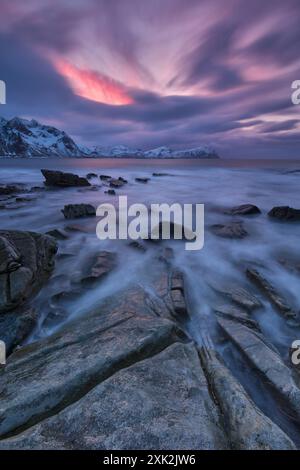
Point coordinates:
[[161, 402], [36, 189], [244, 209], [116, 183], [103, 263], [161, 174], [78, 228], [111, 192], [142, 180], [61, 179], [10, 189], [90, 188], [26, 262], [266, 361], [168, 296], [268, 289], [16, 326], [122, 179], [248, 427], [233, 230], [74, 211], [58, 234], [24, 199], [237, 314], [238, 295], [168, 230], [48, 375], [89, 176], [285, 213], [105, 177]]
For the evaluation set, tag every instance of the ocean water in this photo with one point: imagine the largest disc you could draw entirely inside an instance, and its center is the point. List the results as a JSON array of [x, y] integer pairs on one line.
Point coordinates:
[[218, 185]]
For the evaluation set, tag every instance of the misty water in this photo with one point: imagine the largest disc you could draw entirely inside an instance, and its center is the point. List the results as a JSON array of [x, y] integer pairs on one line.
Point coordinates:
[[217, 184]]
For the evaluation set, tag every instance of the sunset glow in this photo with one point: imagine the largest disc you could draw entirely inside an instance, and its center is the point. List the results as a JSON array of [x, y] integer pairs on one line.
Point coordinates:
[[92, 85]]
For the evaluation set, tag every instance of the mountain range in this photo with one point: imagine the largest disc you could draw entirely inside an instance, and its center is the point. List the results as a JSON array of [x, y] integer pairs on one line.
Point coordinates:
[[28, 138]]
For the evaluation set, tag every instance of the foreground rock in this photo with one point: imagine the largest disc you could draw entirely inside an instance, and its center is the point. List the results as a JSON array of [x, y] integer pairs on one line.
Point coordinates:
[[285, 213], [159, 403], [275, 298], [125, 376], [75, 211], [266, 361], [244, 209], [231, 230], [125, 369], [26, 262], [61, 179], [248, 427]]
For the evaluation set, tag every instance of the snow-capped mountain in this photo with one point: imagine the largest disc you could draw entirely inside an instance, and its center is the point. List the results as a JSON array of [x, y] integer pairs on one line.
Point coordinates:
[[21, 137], [160, 152], [116, 151], [24, 138]]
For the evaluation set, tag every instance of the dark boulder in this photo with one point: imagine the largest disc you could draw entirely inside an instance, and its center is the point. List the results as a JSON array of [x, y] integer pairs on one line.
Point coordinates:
[[142, 180], [244, 209], [26, 262], [116, 183], [105, 177], [61, 179], [285, 213], [232, 230], [89, 176], [74, 211]]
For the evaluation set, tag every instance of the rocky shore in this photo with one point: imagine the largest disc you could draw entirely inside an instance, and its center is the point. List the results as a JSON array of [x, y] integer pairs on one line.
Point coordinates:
[[130, 373]]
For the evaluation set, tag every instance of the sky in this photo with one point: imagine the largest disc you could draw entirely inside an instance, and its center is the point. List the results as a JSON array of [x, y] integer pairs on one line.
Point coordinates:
[[147, 73]]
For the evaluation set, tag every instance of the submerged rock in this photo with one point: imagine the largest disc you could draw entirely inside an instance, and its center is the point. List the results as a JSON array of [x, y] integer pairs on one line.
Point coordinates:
[[244, 209], [142, 180], [61, 179], [26, 262], [58, 233], [74, 211], [89, 176], [116, 183], [10, 189], [111, 192], [285, 213], [231, 230], [105, 177], [268, 289]]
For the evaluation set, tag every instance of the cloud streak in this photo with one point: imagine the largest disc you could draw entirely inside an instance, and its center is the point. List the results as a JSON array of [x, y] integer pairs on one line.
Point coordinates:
[[157, 73]]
